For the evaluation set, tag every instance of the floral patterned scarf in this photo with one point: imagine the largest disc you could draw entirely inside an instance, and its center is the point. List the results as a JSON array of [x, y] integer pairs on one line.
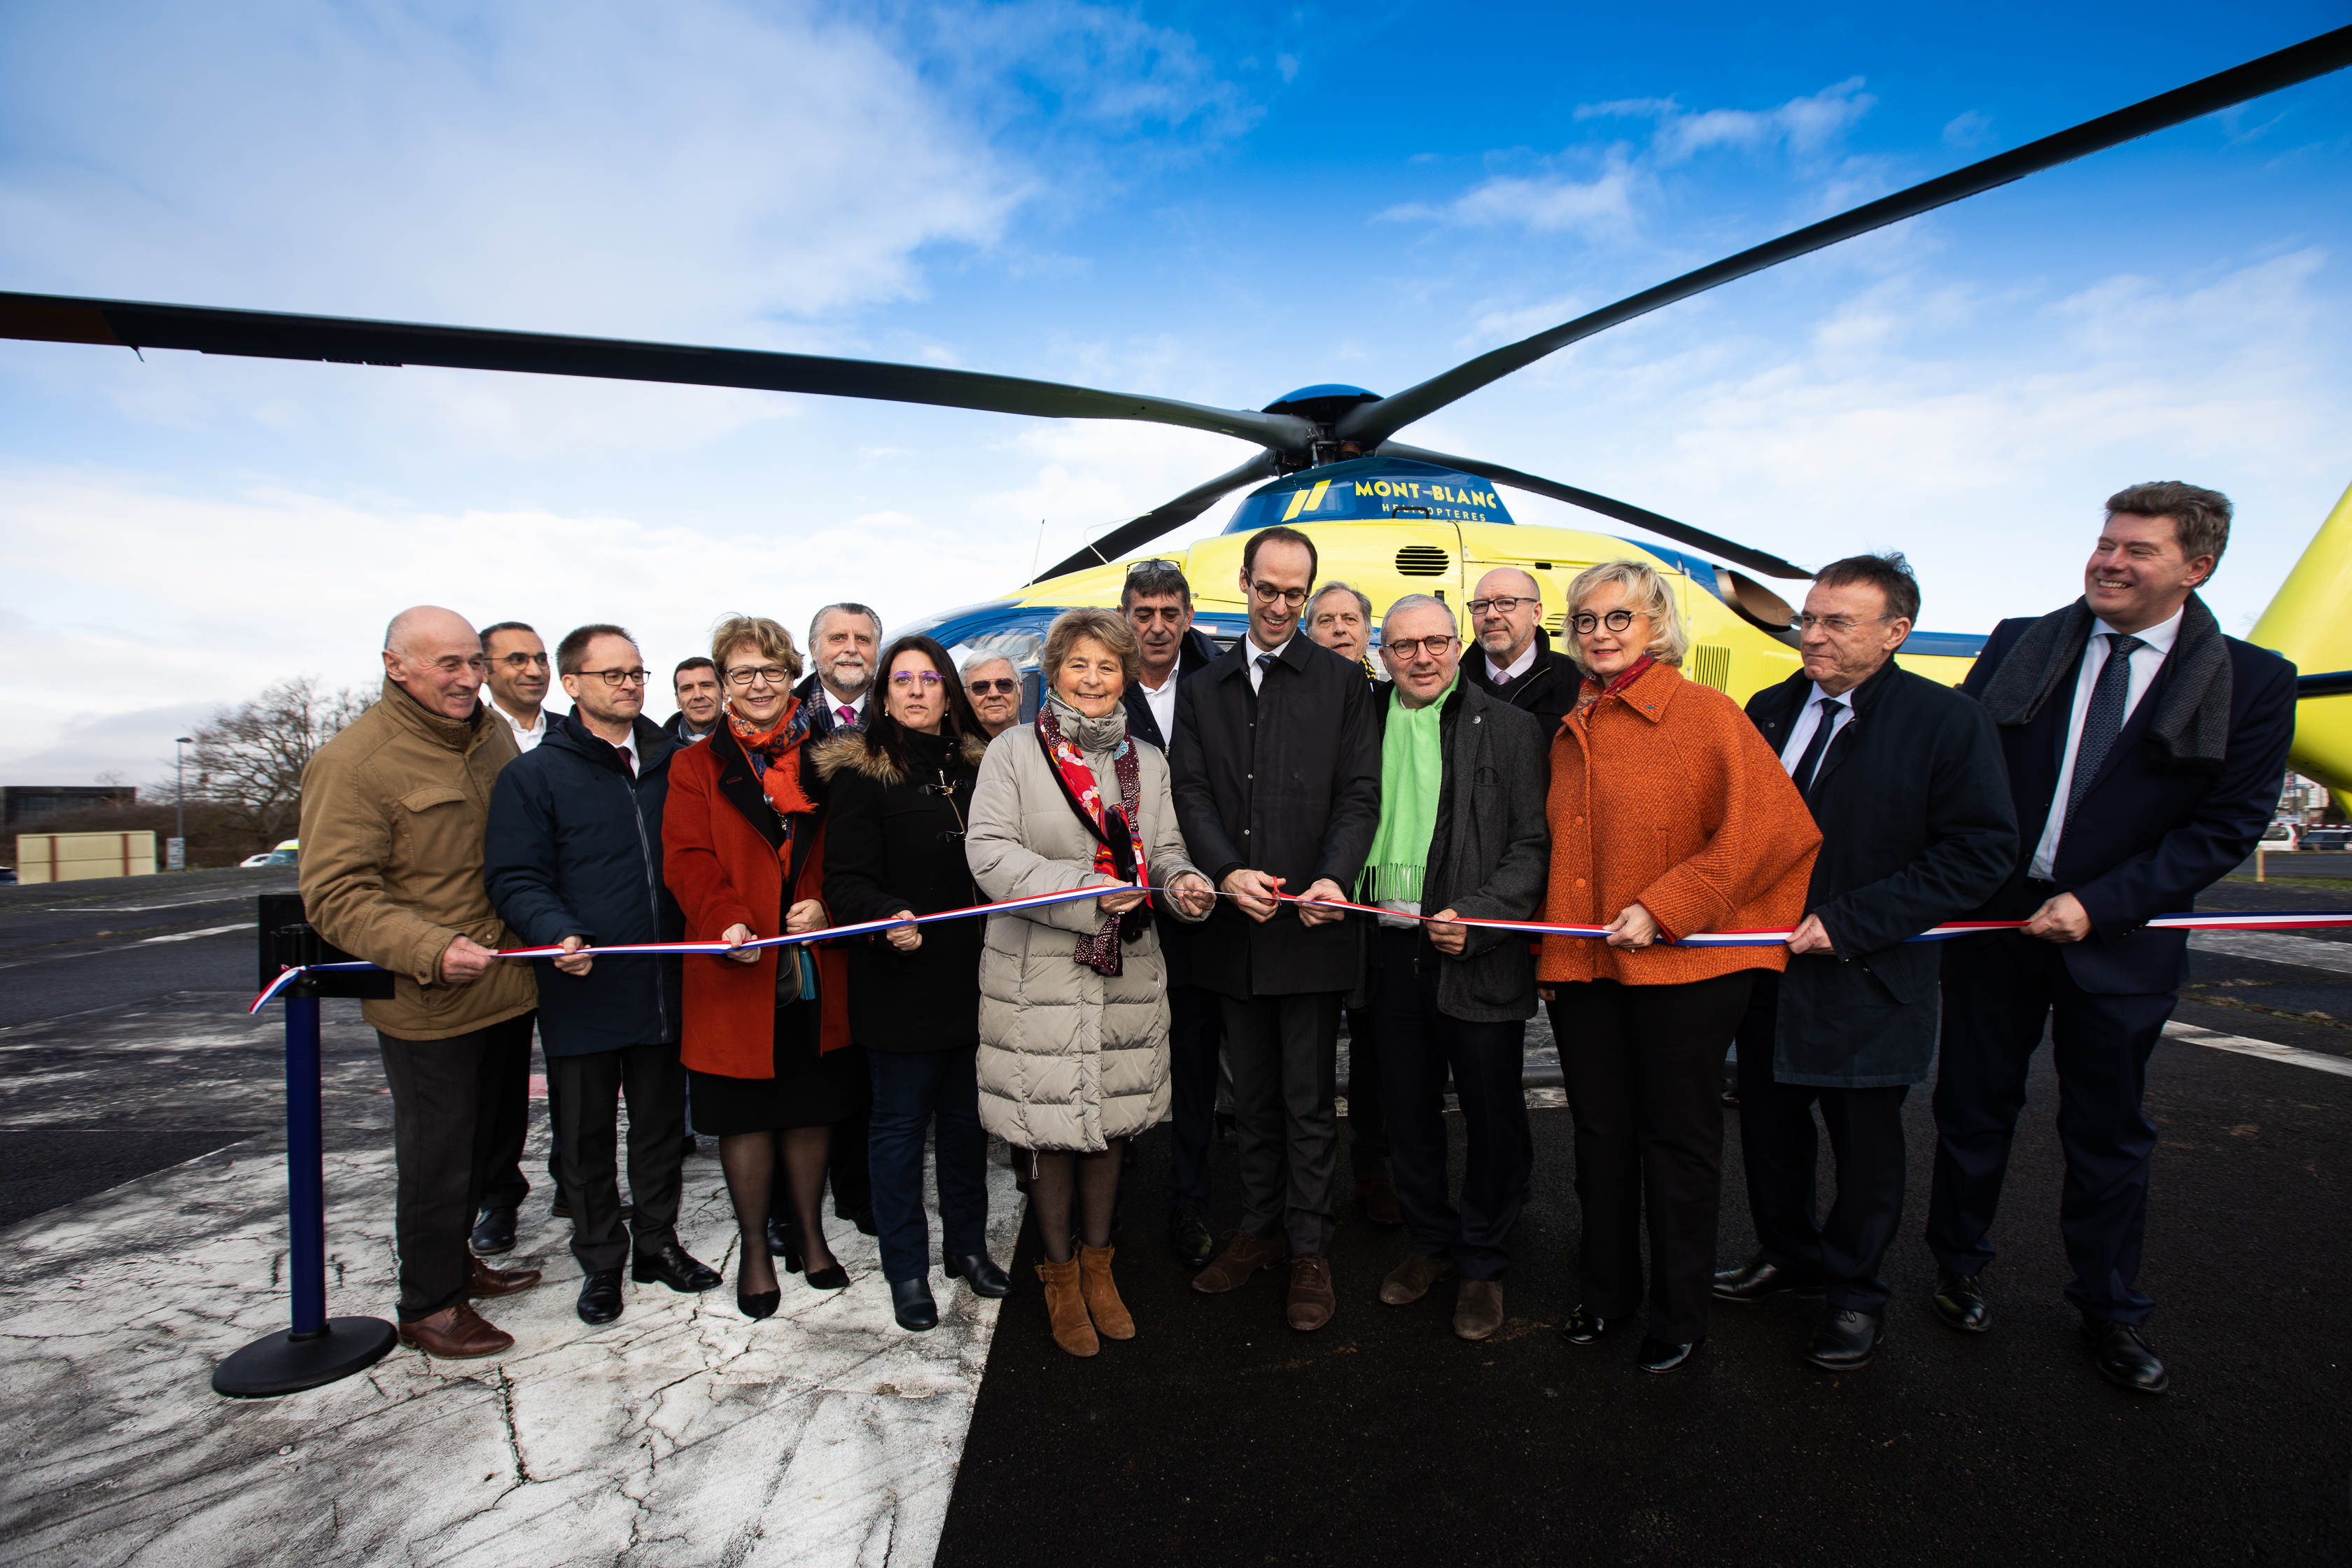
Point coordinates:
[[1589, 695], [1117, 834], [774, 755]]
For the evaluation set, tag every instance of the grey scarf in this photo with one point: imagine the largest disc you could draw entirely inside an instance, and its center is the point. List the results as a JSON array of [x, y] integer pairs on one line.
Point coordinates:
[[2191, 722], [1092, 735]]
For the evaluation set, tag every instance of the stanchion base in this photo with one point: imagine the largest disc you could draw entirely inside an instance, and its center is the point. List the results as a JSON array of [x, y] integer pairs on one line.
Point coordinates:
[[280, 1364]]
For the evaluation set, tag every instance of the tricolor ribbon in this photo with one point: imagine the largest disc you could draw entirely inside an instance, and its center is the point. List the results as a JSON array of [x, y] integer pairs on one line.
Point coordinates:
[[2263, 921]]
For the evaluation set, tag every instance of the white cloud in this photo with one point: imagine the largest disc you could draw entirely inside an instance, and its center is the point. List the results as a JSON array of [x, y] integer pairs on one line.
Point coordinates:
[[1550, 202]]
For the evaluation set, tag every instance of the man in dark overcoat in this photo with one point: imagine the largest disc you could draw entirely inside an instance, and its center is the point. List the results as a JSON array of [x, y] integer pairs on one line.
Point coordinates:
[[1276, 780], [1904, 777], [1515, 661], [2144, 749]]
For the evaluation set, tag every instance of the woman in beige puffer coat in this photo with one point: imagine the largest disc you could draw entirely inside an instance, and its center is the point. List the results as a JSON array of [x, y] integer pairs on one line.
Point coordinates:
[[1074, 997]]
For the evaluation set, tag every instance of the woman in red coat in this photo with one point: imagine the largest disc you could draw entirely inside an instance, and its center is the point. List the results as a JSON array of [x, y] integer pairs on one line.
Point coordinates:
[[766, 1034]]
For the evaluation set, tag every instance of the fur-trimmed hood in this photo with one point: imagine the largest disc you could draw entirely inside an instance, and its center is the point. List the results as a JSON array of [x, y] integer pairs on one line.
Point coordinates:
[[858, 750]]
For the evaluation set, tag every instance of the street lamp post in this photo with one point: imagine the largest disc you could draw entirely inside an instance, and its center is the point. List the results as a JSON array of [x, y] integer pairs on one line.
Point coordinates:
[[180, 790]]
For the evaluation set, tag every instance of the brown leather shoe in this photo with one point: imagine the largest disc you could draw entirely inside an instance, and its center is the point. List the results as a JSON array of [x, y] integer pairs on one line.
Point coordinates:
[[1478, 1310], [456, 1333], [1311, 1302], [1378, 1199], [1111, 1319], [488, 1282], [1409, 1281], [1243, 1256], [1066, 1308]]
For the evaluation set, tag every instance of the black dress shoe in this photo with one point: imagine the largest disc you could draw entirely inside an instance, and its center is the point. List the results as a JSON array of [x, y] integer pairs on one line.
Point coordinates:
[[600, 1297], [1845, 1340], [1755, 1279], [671, 1267], [977, 1271], [779, 1244], [1960, 1304], [558, 1209], [1188, 1233], [2125, 1358], [911, 1303], [1659, 1355], [834, 1278], [762, 1305], [494, 1232], [1583, 1327]]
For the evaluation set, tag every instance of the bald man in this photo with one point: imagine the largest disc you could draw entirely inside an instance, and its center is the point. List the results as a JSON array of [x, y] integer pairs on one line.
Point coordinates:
[[394, 810], [1514, 660]]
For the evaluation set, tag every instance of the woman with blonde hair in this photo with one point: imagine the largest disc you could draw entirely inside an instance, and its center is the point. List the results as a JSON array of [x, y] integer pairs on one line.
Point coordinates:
[[1074, 996], [1670, 815], [766, 1039]]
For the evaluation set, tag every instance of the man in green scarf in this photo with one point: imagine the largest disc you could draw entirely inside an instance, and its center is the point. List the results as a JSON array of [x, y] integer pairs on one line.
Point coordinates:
[[1462, 835]]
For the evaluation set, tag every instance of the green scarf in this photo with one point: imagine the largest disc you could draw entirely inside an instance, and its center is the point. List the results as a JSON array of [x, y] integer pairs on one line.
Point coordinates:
[[1412, 772]]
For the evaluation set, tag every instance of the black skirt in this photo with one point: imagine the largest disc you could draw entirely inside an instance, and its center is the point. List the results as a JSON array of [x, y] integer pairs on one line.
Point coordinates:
[[811, 1089]]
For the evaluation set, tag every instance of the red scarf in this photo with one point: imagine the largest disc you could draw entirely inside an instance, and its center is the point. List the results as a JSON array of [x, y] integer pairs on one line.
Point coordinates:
[[1100, 950], [1594, 691], [775, 753]]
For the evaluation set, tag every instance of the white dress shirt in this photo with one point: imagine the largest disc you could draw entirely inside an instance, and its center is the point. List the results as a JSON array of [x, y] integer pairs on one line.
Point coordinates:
[[525, 739], [1801, 733], [1519, 666], [629, 747], [1257, 670], [2145, 661], [833, 705], [1162, 703]]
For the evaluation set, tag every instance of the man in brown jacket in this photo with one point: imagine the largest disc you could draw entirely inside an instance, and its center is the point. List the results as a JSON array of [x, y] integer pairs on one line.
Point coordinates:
[[394, 810]]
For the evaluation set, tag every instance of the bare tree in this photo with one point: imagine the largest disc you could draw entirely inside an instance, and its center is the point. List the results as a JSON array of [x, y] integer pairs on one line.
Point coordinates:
[[248, 760]]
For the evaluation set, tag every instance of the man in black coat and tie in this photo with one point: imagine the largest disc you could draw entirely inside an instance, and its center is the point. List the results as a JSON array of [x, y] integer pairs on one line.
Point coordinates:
[[1276, 780], [2144, 749], [844, 639], [1904, 777], [1157, 601], [1515, 661]]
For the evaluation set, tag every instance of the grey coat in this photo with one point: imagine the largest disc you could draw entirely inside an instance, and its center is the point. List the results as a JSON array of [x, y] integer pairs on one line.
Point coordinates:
[[1489, 853], [1069, 1058]]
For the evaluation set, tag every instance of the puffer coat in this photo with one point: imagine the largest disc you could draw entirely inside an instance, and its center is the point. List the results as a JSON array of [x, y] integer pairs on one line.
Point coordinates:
[[1069, 1057]]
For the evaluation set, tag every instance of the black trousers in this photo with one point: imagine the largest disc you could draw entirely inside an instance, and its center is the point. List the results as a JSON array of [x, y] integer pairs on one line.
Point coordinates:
[[585, 1099], [847, 1165], [1418, 1044], [1370, 1148], [510, 1114], [443, 1096], [2000, 989], [1196, 1033], [1284, 1052], [1644, 1066], [1780, 1149]]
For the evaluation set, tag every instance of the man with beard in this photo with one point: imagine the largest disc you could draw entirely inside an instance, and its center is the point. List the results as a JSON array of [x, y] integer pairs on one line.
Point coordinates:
[[842, 639]]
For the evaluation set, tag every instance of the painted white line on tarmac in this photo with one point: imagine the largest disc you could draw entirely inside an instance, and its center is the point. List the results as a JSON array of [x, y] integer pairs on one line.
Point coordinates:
[[126, 947], [2191, 1034], [191, 935], [2274, 947]]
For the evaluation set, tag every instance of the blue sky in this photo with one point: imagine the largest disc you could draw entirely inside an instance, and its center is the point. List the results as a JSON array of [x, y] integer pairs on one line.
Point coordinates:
[[1218, 203]]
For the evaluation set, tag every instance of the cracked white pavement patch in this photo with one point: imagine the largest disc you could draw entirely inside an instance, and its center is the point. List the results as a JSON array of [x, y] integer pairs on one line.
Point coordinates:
[[681, 1434]]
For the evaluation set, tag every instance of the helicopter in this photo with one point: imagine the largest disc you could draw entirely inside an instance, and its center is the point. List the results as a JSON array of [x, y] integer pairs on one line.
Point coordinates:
[[1386, 517]]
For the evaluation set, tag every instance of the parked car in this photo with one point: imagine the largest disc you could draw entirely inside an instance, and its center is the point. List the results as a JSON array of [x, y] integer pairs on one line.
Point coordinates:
[[286, 853], [2279, 835], [2327, 838]]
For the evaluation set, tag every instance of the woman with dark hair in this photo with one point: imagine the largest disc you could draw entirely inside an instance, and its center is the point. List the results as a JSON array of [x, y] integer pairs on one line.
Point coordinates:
[[765, 1035], [898, 796]]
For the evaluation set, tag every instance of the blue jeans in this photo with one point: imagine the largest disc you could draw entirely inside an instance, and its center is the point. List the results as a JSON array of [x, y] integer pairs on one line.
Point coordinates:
[[911, 1088]]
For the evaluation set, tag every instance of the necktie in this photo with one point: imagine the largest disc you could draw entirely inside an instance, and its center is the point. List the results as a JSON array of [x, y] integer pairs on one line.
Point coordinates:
[[848, 716], [628, 762], [1502, 680], [1810, 763], [2103, 720]]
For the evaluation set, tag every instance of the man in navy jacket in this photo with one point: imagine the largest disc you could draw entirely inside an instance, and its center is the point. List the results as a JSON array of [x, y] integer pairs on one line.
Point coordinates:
[[2144, 751], [573, 857]]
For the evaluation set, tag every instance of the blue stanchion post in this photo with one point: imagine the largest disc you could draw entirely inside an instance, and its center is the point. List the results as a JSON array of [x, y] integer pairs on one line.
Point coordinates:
[[317, 1348]]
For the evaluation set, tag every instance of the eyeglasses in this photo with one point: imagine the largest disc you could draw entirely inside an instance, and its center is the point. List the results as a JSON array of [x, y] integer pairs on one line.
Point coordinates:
[[615, 677], [1615, 620], [1501, 607], [984, 688], [1268, 593], [1837, 625], [1411, 647], [774, 674], [1138, 568], [906, 680], [524, 661]]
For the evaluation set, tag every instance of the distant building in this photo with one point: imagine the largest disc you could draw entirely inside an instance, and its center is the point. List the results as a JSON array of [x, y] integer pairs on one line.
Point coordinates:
[[22, 805]]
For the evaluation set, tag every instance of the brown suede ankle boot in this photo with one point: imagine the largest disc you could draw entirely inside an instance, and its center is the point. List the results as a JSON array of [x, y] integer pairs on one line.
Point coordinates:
[[1073, 1329], [1112, 1319]]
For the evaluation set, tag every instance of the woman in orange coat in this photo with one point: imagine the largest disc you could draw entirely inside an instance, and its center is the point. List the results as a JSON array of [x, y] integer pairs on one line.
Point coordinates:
[[1670, 815], [765, 1037]]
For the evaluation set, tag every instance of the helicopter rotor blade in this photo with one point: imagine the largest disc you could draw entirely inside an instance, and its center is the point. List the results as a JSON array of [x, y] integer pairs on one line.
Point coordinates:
[[1372, 422], [1129, 536], [1623, 511], [267, 334]]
